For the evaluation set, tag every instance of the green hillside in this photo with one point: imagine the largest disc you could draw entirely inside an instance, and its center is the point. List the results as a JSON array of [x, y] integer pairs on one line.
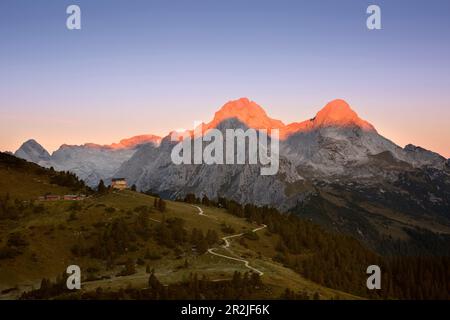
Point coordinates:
[[117, 237], [131, 245], [26, 181]]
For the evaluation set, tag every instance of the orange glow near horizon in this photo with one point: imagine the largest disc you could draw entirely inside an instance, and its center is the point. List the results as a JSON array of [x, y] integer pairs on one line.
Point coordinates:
[[51, 133]]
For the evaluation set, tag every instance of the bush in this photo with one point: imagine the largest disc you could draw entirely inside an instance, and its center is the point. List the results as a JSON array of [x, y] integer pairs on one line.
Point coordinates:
[[251, 235], [152, 255], [227, 229], [17, 240], [39, 209], [75, 206], [110, 210], [8, 253], [129, 269], [72, 216]]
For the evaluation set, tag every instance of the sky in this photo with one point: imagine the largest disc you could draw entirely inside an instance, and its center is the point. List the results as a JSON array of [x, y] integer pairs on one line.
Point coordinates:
[[140, 67]]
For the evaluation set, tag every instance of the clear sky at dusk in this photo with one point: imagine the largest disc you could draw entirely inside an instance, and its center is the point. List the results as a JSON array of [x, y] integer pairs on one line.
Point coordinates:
[[140, 67]]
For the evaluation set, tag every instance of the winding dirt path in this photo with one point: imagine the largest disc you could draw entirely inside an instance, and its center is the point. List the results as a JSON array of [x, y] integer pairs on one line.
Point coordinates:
[[201, 213], [227, 246], [227, 243]]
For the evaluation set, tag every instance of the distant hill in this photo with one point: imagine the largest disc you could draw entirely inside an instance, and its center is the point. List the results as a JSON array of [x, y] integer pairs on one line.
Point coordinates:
[[26, 180]]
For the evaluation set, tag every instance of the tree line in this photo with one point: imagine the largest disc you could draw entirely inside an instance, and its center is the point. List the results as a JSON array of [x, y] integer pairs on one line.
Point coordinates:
[[339, 261], [241, 286]]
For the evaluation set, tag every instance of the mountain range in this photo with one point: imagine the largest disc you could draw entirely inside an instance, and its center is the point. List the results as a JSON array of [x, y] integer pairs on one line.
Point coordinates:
[[335, 169], [90, 162]]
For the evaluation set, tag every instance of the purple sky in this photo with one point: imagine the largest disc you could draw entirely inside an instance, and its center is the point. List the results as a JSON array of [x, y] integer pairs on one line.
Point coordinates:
[[140, 67]]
